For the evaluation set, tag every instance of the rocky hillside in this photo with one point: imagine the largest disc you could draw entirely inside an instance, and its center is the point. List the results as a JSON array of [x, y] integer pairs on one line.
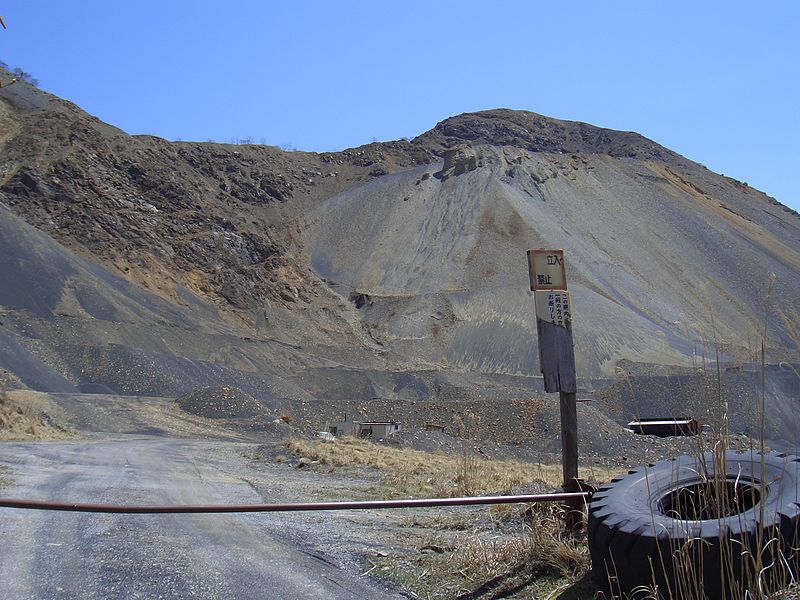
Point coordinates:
[[164, 214], [145, 266]]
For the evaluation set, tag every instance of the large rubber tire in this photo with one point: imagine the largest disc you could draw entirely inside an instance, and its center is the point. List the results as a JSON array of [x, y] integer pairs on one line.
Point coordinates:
[[632, 540]]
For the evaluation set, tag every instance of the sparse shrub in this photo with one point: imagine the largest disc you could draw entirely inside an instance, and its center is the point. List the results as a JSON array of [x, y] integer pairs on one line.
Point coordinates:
[[537, 560], [468, 468], [21, 75], [468, 472]]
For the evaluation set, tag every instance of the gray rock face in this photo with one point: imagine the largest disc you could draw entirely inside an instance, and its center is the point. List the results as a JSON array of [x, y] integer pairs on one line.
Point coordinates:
[[536, 133], [457, 161], [654, 263]]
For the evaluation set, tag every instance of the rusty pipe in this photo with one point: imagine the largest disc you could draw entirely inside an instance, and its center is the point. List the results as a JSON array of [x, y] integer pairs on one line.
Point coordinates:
[[287, 507]]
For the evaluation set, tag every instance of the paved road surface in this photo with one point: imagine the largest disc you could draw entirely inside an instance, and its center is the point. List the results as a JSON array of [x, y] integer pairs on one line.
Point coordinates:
[[74, 555]]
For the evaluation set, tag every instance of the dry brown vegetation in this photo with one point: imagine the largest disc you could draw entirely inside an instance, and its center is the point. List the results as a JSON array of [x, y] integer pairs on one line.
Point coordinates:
[[489, 553], [791, 321], [534, 560], [407, 472], [23, 417]]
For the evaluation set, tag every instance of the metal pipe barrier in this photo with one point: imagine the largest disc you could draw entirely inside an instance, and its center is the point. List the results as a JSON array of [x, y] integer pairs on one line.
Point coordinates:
[[133, 509]]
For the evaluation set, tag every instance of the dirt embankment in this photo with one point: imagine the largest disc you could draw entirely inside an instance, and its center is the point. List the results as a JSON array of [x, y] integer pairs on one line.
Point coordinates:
[[28, 415]]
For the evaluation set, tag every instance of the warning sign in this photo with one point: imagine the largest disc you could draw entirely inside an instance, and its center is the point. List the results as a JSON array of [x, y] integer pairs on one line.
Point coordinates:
[[547, 270], [553, 306]]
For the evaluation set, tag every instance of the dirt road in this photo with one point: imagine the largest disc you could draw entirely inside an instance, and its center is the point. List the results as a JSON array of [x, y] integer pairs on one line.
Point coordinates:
[[74, 555]]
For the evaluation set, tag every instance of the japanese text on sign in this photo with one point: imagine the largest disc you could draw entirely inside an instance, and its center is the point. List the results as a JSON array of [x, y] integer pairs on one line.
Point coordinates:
[[547, 270], [553, 307]]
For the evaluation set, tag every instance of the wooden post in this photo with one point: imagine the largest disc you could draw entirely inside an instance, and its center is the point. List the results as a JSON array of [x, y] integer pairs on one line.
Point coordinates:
[[548, 278], [569, 437]]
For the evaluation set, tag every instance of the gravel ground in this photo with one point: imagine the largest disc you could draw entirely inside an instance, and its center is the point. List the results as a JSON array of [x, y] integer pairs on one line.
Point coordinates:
[[220, 402], [66, 555]]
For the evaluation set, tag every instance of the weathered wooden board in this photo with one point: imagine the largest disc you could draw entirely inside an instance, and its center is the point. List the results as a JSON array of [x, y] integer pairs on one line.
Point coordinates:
[[557, 356]]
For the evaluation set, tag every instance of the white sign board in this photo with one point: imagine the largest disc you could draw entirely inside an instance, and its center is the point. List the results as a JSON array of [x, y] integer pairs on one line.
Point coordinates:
[[553, 306], [547, 270]]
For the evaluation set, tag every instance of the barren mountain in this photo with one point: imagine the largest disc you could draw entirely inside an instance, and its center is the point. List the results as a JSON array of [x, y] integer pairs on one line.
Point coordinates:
[[394, 270]]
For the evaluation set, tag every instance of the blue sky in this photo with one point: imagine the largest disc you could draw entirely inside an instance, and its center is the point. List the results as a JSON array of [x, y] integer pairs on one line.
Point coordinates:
[[718, 82]]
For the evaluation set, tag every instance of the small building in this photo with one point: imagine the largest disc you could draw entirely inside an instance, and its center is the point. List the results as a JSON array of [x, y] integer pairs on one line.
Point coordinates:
[[373, 429], [379, 429], [429, 426]]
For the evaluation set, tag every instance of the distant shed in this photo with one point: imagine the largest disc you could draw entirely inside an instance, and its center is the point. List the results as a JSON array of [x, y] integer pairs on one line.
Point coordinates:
[[430, 426], [379, 429], [373, 429]]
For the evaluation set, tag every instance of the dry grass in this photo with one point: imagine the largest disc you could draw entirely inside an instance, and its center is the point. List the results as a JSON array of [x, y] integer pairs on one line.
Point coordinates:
[[500, 552], [543, 545], [407, 472], [23, 416], [538, 561], [791, 321], [514, 549]]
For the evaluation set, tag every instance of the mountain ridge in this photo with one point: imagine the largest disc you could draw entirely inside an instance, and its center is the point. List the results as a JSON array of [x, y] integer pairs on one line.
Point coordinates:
[[537, 133], [403, 256]]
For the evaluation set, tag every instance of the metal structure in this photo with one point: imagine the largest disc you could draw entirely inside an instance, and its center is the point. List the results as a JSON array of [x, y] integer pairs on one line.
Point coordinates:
[[134, 509], [665, 427]]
